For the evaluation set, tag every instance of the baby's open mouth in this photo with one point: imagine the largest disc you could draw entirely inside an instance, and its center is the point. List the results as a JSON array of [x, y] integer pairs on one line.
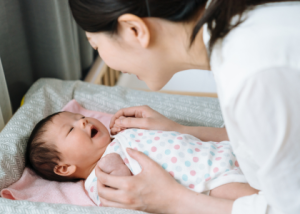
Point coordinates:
[[94, 132]]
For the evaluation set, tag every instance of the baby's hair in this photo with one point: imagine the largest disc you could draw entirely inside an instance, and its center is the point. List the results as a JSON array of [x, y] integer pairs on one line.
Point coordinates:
[[42, 156]]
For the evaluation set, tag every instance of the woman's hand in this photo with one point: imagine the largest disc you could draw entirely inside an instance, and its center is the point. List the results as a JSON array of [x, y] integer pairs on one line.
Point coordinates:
[[142, 117], [153, 190]]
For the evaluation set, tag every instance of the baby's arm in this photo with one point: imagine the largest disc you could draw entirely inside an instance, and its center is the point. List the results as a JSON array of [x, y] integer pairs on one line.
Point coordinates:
[[114, 165]]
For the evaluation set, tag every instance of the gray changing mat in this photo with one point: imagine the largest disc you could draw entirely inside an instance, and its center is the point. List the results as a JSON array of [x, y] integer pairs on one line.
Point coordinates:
[[47, 96]]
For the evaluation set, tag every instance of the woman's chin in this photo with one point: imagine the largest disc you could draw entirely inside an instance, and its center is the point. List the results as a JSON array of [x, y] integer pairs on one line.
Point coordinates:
[[155, 87]]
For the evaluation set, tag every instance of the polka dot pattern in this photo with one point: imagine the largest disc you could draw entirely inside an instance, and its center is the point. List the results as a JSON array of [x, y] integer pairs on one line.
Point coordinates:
[[159, 156], [187, 163], [185, 177], [116, 148], [176, 147], [178, 168], [236, 164], [126, 161], [181, 154], [190, 161], [153, 149], [174, 159]]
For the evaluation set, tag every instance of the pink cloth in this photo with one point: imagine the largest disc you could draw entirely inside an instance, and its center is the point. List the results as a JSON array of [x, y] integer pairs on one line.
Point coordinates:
[[33, 188], [74, 107]]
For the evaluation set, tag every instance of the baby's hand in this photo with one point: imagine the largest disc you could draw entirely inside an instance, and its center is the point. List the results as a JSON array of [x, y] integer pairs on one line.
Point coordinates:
[[115, 129], [113, 164]]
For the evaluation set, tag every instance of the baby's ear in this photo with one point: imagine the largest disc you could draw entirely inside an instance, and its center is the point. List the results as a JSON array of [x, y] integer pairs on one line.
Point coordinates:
[[65, 170]]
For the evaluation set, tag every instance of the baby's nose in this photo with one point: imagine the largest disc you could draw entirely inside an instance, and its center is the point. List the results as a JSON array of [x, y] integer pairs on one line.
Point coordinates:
[[84, 122]]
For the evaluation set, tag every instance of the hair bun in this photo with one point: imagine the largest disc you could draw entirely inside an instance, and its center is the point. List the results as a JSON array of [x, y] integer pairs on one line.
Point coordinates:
[[187, 9]]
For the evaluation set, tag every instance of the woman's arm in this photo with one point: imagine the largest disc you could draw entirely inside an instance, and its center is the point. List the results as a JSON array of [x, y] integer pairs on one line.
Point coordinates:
[[144, 117], [264, 119], [206, 133], [154, 190]]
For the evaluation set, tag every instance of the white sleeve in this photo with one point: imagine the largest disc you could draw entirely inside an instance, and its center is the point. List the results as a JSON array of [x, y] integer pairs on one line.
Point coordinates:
[[90, 186], [266, 112]]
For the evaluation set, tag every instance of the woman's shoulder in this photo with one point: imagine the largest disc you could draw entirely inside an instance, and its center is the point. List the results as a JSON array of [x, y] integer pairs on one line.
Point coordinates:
[[268, 28], [268, 38]]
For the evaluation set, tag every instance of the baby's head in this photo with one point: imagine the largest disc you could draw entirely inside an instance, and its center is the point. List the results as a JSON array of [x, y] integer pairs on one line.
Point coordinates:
[[66, 146]]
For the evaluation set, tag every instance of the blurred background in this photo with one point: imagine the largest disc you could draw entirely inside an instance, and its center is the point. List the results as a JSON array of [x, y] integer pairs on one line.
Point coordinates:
[[39, 38]]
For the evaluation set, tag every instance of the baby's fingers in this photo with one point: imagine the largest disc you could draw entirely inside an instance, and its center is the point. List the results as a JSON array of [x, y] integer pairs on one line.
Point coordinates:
[[113, 120], [116, 130]]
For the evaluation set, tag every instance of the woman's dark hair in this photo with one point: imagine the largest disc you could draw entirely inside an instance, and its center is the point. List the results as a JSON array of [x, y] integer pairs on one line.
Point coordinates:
[[42, 156], [102, 15]]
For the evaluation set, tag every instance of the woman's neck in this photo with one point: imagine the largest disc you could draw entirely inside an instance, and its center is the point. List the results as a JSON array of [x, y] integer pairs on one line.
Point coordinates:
[[177, 38], [196, 54]]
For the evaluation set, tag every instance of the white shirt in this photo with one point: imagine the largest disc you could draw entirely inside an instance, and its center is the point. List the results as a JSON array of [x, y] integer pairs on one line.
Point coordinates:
[[257, 71]]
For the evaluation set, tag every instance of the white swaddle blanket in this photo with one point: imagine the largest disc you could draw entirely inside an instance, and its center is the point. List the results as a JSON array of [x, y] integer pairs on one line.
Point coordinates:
[[200, 166], [45, 97]]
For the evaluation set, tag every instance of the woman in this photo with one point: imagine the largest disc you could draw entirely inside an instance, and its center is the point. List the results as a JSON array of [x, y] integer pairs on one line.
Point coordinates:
[[254, 53]]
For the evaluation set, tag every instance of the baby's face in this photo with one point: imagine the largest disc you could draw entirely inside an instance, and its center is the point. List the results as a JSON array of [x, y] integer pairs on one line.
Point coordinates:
[[80, 140]]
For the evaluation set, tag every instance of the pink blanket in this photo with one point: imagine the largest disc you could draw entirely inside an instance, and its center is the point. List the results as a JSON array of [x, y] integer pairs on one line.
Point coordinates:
[[33, 188]]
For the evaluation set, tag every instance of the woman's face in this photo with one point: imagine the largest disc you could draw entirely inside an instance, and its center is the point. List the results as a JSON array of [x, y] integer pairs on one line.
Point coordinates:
[[152, 50], [148, 65]]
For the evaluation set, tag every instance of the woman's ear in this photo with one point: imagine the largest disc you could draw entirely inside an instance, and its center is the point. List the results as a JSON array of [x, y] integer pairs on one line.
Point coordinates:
[[134, 28], [65, 170]]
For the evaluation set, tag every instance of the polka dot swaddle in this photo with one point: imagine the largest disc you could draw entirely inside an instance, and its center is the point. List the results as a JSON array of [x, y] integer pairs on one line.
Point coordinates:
[[200, 166]]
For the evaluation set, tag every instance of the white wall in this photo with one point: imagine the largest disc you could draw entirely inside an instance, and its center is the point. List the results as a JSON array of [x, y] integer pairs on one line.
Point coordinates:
[[188, 81]]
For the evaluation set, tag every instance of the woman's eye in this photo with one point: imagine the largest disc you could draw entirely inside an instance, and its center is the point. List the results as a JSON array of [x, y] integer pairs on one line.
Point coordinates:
[[83, 117], [71, 129]]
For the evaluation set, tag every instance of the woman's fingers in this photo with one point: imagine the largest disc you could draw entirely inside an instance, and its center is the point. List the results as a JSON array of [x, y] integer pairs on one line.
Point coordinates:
[[127, 112], [136, 111], [117, 199], [139, 191], [142, 117], [110, 194], [114, 131], [113, 196], [107, 203], [131, 122], [141, 158]]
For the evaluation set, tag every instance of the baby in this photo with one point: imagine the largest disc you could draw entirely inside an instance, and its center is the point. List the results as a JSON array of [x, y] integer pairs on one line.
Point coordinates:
[[67, 147]]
